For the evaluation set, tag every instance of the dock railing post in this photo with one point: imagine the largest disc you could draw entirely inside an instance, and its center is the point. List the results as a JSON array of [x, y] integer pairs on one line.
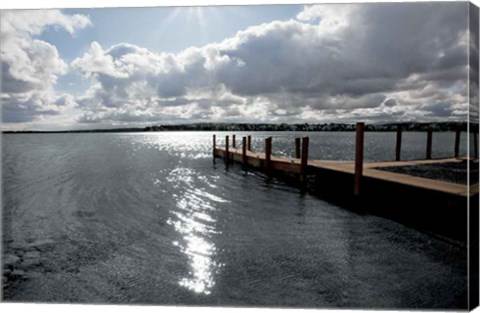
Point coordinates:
[[398, 149], [304, 159], [268, 153], [429, 143], [226, 148], [457, 143], [249, 143], [297, 148], [359, 140], [233, 142], [214, 144], [244, 150]]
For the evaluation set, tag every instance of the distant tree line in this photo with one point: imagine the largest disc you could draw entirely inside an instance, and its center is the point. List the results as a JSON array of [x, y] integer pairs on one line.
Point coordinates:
[[443, 126], [409, 126]]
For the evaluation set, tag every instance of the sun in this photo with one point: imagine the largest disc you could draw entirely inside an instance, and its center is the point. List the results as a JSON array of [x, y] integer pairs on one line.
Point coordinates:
[[187, 27]]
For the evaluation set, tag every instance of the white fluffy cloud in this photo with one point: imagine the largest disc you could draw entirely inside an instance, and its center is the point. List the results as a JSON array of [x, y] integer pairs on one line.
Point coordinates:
[[375, 62], [369, 61], [30, 67]]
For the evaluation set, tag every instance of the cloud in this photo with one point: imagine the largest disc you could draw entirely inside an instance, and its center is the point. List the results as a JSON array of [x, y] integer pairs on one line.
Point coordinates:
[[27, 107], [30, 67], [375, 62], [34, 22], [339, 62]]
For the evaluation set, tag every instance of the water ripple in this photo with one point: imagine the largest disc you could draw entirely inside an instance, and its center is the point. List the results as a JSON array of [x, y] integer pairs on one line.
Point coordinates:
[[192, 218]]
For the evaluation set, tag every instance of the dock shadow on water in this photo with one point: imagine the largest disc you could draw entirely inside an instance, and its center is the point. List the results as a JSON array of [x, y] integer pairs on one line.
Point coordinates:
[[148, 219]]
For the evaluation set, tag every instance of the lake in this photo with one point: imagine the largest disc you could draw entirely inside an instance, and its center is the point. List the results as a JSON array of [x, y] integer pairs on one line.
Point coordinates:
[[150, 218]]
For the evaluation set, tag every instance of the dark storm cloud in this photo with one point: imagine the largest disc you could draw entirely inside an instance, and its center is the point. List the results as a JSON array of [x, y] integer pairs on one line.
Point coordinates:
[[390, 102], [438, 109]]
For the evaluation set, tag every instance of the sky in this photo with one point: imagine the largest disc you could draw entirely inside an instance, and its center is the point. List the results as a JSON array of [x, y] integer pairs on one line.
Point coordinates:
[[135, 67]]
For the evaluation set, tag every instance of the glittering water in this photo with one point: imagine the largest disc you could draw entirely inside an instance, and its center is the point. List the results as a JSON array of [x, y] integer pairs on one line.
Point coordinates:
[[150, 218]]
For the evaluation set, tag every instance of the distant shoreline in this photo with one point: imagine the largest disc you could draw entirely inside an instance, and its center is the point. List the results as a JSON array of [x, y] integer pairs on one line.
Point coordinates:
[[244, 127]]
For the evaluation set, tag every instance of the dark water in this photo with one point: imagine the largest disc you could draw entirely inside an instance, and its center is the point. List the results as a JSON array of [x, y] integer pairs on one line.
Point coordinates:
[[149, 218]]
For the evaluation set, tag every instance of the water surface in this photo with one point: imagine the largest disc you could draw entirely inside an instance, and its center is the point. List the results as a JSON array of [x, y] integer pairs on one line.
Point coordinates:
[[150, 218]]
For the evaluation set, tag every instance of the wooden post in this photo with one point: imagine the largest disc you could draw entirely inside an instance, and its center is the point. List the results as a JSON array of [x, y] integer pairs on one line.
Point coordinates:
[[398, 149], [358, 157], [226, 148], [214, 144], [457, 143], [249, 143], [244, 150], [268, 153], [429, 144], [233, 142], [297, 148], [304, 159]]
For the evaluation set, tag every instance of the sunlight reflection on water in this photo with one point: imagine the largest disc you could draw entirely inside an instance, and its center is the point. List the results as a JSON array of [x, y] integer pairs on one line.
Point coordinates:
[[193, 220], [135, 221], [191, 217]]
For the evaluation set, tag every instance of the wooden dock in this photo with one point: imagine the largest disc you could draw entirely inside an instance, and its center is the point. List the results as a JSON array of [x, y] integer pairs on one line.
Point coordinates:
[[443, 208], [358, 169], [409, 197], [370, 169]]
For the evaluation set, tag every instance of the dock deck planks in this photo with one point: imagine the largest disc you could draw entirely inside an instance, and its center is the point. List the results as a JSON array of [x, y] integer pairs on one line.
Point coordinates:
[[370, 170]]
